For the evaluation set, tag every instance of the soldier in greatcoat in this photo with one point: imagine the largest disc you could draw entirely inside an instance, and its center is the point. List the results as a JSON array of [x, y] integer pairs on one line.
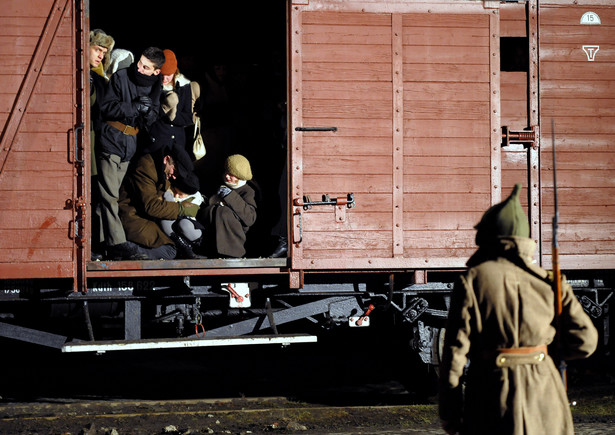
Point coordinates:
[[142, 204], [501, 319]]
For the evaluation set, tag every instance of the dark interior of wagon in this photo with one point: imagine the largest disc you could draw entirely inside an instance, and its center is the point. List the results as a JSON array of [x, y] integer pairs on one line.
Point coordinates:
[[249, 39]]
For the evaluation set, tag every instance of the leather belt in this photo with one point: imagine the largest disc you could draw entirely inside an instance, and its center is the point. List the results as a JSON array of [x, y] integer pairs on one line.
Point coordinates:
[[514, 356], [126, 129]]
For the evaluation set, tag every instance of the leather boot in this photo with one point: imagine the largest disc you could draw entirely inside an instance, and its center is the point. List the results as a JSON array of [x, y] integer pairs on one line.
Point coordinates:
[[184, 247], [282, 249]]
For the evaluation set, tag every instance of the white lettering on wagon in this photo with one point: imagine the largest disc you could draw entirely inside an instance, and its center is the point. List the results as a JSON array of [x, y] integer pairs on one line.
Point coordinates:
[[590, 18], [590, 51]]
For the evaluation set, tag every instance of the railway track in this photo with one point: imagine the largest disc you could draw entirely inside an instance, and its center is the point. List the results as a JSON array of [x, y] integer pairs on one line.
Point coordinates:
[[243, 415], [237, 416], [240, 391]]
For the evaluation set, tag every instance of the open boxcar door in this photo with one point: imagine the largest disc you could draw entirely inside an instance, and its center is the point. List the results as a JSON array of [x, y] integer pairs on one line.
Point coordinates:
[[41, 221], [395, 131]]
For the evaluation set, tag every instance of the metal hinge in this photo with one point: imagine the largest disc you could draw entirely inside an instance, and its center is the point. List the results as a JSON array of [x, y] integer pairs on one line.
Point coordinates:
[[79, 206]]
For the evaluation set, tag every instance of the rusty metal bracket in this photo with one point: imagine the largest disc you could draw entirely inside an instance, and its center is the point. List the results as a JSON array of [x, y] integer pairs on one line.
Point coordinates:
[[527, 138], [80, 207], [297, 228]]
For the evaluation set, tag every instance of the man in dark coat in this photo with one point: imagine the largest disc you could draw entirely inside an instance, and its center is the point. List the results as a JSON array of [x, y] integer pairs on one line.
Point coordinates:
[[501, 319], [131, 103], [231, 211], [142, 204]]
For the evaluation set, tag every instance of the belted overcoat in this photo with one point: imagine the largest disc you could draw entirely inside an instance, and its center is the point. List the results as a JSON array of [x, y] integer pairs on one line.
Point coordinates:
[[503, 301]]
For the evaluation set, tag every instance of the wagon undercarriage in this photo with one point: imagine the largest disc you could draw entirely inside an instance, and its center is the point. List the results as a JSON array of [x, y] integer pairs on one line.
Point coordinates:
[[189, 311]]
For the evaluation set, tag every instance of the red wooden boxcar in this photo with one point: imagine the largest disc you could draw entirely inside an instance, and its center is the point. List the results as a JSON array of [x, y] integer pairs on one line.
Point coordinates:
[[405, 121]]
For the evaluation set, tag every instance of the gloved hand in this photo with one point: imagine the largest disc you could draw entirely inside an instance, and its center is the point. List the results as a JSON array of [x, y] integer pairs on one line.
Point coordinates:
[[144, 104], [224, 191], [188, 209]]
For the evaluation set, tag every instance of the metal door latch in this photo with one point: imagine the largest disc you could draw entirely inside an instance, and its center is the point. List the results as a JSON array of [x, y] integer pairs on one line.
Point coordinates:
[[340, 204], [525, 137], [307, 203]]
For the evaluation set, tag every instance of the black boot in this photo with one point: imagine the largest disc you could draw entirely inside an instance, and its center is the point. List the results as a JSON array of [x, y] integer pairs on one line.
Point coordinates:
[[123, 251], [282, 249], [184, 247]]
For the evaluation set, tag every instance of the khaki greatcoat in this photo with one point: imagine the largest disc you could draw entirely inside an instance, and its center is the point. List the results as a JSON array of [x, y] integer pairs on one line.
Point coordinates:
[[142, 204], [505, 301]]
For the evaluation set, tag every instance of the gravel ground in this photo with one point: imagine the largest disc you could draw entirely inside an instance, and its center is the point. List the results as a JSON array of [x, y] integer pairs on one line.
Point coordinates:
[[253, 415], [341, 390]]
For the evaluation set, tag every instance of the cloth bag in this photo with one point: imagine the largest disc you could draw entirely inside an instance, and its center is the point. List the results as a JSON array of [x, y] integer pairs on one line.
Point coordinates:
[[198, 145]]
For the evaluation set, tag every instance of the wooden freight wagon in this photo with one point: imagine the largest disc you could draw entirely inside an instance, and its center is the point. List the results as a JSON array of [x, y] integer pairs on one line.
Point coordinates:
[[405, 121]]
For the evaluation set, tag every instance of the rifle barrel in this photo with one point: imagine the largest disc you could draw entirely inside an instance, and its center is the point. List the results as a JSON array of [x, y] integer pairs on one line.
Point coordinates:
[[557, 274]]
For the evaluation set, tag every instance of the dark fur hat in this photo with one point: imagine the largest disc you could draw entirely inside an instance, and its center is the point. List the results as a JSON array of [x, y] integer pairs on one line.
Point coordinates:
[[99, 37]]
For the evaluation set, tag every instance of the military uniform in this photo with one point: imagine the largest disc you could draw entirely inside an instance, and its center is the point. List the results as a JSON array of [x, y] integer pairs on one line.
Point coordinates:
[[501, 320]]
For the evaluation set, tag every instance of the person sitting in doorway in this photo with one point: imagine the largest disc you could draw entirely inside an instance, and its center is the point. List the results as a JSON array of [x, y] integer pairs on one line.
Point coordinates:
[[185, 231], [231, 211], [142, 205]]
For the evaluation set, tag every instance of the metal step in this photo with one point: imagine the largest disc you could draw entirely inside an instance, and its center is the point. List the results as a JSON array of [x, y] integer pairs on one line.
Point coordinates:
[[170, 343]]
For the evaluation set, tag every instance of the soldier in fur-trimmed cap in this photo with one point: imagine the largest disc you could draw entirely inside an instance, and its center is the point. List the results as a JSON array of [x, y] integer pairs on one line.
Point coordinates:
[[101, 45], [231, 211], [501, 318]]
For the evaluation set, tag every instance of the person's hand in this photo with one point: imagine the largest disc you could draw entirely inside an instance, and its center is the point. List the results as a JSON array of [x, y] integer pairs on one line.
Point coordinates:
[[144, 104], [188, 209], [224, 191]]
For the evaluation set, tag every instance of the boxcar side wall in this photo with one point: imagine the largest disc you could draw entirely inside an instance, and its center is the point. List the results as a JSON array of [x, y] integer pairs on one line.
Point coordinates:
[[399, 103], [405, 101], [577, 92], [37, 99]]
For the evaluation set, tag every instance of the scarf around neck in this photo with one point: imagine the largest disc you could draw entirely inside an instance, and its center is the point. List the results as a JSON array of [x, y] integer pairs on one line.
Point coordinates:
[[142, 79]]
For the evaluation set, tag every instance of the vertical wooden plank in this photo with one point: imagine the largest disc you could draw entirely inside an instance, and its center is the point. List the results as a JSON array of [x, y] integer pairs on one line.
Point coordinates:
[[296, 151], [398, 136], [534, 150], [81, 138], [494, 84]]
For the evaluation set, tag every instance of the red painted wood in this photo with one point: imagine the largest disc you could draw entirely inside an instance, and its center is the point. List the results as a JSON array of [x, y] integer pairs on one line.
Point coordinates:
[[579, 96], [37, 177], [444, 128]]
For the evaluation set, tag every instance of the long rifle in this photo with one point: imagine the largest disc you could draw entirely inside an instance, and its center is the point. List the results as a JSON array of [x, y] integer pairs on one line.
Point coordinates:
[[557, 273]]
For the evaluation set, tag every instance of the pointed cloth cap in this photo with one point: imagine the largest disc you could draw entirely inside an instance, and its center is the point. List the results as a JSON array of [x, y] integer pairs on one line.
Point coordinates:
[[503, 220]]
